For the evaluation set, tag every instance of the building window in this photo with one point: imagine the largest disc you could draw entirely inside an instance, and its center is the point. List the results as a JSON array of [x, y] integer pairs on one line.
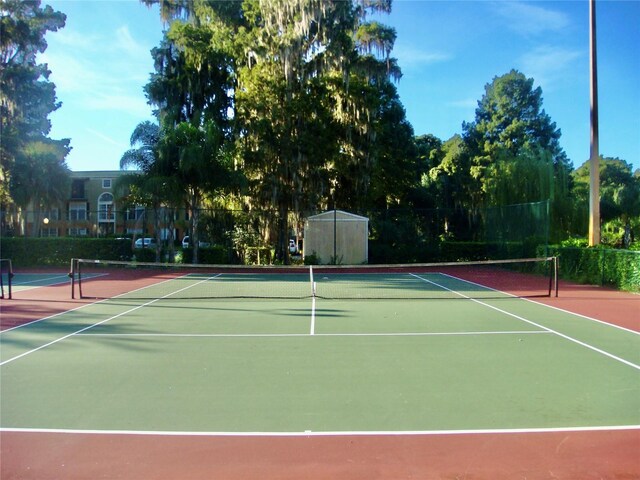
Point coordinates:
[[51, 214], [106, 183], [77, 211], [49, 232], [106, 211], [77, 232], [135, 213], [77, 189]]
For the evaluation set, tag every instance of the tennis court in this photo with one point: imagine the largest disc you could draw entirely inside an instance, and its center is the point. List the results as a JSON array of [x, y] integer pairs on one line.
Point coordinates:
[[25, 281], [401, 351], [12, 282]]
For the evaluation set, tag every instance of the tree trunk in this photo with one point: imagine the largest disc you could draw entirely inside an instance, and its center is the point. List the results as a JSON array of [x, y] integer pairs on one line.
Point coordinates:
[[282, 252], [156, 226], [194, 221], [172, 235]]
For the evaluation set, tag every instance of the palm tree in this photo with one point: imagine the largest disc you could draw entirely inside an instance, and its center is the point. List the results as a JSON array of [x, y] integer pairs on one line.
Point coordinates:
[[150, 186], [199, 161]]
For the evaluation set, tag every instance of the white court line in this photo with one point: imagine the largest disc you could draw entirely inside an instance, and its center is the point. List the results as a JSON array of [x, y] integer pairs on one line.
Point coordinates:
[[566, 337], [313, 316], [104, 300], [602, 322], [29, 352], [17, 285], [339, 433], [46, 279], [544, 304], [284, 335]]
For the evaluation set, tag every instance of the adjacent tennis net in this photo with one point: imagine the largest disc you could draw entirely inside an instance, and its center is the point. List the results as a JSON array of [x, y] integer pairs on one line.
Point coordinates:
[[521, 277], [6, 274]]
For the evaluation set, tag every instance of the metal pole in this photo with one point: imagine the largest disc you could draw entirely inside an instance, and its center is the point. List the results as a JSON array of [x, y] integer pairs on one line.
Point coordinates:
[[594, 159], [556, 267], [72, 274], [335, 235]]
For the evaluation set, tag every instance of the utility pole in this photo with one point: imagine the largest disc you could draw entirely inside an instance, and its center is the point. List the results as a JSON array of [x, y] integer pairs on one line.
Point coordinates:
[[594, 159]]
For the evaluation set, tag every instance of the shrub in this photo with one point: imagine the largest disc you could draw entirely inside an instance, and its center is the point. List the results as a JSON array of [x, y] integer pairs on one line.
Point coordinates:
[[144, 254], [214, 255], [30, 252], [600, 266]]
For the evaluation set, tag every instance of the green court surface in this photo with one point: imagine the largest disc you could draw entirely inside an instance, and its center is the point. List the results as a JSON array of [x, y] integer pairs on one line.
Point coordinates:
[[26, 281], [314, 365]]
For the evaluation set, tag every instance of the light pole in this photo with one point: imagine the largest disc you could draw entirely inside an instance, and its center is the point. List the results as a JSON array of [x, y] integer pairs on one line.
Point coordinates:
[[594, 159]]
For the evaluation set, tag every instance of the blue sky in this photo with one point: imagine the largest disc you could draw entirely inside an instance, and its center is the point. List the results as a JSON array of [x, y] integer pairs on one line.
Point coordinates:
[[448, 51]]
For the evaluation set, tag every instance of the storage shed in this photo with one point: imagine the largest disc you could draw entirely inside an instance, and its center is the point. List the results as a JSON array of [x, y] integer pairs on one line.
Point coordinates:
[[337, 237]]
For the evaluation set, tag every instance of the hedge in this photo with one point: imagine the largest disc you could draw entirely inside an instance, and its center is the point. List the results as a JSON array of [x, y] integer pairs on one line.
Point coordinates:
[[214, 255], [449, 251], [52, 251], [470, 251], [600, 266], [40, 252]]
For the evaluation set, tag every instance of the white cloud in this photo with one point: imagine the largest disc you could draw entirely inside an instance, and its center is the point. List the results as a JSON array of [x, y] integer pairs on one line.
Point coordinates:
[[89, 85], [126, 44], [528, 19], [410, 56], [549, 64], [465, 103], [105, 72], [106, 138], [74, 39], [134, 105], [71, 74]]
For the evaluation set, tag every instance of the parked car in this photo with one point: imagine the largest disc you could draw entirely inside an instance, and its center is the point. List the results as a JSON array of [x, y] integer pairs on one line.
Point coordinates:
[[145, 242], [186, 243]]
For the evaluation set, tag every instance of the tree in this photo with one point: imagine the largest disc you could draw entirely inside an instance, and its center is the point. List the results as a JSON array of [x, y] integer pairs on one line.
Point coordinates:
[[448, 178], [282, 105], [150, 186], [619, 191], [191, 89], [200, 161], [396, 171], [511, 126], [303, 90], [514, 151], [27, 98], [451, 187], [40, 177], [192, 80], [311, 97]]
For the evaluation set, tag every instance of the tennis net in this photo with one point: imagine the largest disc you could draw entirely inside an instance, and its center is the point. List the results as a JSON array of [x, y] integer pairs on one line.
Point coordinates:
[[521, 277], [6, 274]]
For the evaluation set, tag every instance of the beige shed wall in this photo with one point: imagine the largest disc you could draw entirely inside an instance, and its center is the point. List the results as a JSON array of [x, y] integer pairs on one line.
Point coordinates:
[[352, 238]]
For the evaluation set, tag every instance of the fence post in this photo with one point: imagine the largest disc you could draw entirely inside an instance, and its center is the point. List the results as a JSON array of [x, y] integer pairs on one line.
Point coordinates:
[[335, 236]]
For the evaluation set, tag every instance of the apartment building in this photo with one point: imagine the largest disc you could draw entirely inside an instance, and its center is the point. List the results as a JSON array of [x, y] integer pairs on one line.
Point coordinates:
[[92, 209]]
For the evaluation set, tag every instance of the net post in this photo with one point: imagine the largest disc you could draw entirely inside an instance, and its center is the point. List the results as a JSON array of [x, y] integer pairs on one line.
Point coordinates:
[[79, 273], [556, 268], [1, 280], [72, 275], [312, 283], [9, 277]]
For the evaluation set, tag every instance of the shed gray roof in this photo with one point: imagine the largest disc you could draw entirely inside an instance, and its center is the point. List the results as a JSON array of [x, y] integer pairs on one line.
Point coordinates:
[[340, 214]]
